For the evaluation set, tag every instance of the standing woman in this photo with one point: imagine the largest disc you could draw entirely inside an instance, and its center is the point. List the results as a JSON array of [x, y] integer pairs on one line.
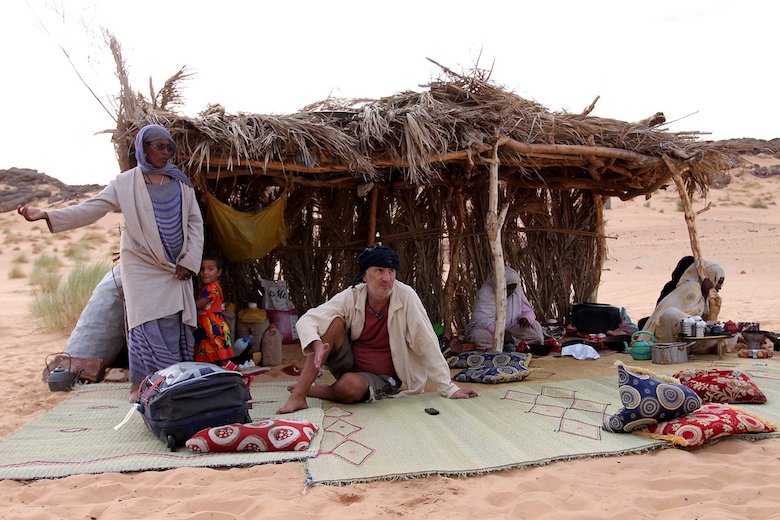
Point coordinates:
[[160, 250]]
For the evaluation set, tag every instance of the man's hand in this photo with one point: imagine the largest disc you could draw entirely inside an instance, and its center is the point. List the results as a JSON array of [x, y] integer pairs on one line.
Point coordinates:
[[706, 286], [31, 214], [182, 273], [523, 323], [464, 393], [321, 351]]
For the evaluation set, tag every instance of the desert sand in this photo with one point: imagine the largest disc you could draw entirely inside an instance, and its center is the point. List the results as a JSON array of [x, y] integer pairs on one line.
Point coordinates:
[[725, 479]]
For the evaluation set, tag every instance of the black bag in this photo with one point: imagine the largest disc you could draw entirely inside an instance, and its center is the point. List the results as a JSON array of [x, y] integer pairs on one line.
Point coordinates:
[[595, 318], [179, 401]]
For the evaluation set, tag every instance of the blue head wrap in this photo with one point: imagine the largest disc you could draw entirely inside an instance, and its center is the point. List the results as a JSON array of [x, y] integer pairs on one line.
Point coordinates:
[[379, 256], [150, 133]]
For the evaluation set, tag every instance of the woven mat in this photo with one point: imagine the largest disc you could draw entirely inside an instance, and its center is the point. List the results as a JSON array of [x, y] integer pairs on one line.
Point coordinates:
[[78, 437], [529, 423]]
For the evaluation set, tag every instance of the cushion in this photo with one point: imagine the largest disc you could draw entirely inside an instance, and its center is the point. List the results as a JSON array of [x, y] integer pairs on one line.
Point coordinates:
[[492, 375], [261, 435], [497, 359], [491, 367], [711, 421], [717, 385], [649, 398]]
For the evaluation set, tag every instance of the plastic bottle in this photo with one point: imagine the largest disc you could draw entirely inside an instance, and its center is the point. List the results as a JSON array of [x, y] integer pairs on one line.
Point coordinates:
[[252, 321]]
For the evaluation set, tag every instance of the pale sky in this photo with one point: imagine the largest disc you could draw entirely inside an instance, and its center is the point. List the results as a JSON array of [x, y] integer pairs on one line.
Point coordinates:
[[708, 65]]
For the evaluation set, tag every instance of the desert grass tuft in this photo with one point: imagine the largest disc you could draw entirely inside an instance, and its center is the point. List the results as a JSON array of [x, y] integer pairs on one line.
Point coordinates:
[[758, 204], [49, 262], [94, 237], [12, 238], [44, 273], [20, 259], [16, 272], [78, 251], [60, 310]]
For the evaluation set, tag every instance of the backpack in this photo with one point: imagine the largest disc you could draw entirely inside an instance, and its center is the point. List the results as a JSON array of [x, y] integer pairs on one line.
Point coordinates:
[[179, 401]]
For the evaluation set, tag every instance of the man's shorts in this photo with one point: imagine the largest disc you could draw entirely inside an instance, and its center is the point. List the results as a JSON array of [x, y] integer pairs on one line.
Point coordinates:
[[379, 386]]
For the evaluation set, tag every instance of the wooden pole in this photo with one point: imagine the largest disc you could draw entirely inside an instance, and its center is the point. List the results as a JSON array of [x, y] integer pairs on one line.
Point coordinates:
[[713, 298], [457, 208], [690, 216], [372, 216], [494, 222]]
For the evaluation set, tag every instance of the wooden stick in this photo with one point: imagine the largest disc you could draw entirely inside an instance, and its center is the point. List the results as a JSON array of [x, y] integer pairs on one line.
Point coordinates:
[[493, 224], [372, 216], [690, 216]]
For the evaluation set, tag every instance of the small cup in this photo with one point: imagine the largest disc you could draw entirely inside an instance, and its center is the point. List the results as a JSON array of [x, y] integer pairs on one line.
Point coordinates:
[[257, 358]]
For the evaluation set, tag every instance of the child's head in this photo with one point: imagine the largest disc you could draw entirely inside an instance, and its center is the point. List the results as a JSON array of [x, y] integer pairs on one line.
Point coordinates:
[[210, 268]]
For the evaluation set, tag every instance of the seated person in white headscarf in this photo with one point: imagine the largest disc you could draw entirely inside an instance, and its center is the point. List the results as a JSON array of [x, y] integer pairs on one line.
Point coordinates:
[[521, 321], [691, 297]]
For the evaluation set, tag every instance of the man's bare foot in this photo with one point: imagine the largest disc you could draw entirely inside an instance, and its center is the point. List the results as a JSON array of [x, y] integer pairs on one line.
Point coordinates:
[[293, 404]]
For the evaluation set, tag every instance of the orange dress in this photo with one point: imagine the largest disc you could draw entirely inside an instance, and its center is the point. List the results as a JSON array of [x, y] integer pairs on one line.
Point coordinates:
[[212, 337]]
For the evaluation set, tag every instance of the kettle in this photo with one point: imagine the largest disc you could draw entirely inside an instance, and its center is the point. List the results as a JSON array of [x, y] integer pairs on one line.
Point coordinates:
[[640, 349], [60, 379]]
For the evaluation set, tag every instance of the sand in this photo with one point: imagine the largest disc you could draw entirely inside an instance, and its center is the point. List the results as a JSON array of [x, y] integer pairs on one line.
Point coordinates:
[[726, 479]]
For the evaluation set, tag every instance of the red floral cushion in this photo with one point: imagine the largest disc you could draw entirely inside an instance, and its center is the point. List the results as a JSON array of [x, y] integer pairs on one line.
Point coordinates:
[[721, 386], [260, 435], [711, 421]]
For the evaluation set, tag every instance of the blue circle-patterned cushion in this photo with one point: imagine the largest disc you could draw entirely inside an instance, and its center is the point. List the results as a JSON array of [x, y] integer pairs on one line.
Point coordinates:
[[496, 359], [490, 367], [648, 399]]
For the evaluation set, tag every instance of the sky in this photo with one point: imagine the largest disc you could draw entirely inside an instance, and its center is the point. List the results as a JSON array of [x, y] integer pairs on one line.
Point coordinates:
[[709, 66]]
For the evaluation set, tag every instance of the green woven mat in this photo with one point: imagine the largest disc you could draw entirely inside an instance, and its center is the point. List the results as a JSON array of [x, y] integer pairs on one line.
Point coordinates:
[[507, 426], [78, 436]]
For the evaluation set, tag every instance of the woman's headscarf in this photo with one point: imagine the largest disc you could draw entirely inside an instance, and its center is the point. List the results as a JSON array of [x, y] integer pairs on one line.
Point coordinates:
[[150, 133], [684, 263]]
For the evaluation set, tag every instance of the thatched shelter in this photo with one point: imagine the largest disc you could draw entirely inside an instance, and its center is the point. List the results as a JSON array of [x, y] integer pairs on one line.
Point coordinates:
[[415, 169]]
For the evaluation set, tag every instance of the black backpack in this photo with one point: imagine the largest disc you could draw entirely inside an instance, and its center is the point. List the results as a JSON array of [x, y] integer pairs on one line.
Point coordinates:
[[179, 401]]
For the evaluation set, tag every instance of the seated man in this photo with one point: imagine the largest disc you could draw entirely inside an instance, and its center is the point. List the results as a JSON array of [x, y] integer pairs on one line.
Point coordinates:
[[521, 321], [375, 337]]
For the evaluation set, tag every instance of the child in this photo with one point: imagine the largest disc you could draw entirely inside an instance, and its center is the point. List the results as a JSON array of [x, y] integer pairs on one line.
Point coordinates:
[[212, 337]]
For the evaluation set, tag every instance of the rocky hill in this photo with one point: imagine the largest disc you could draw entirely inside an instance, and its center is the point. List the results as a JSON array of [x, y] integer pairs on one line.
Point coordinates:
[[22, 186]]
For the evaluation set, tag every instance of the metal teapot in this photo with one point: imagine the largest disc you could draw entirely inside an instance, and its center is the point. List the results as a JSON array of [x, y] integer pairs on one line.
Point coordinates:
[[639, 349], [60, 379]]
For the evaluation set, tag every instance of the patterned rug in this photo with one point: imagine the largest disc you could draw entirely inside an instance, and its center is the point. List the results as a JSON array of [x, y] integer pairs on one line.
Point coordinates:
[[507, 426], [78, 437]]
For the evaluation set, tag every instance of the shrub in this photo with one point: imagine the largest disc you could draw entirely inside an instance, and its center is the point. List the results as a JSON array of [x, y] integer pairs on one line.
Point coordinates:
[[48, 262], [78, 251], [44, 273], [60, 310], [16, 272]]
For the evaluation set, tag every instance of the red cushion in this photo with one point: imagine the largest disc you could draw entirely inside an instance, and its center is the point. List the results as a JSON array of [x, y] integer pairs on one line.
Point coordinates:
[[260, 435], [711, 421], [721, 386]]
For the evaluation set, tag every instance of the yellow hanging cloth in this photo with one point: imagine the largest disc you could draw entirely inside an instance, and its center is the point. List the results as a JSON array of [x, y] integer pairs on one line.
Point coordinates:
[[246, 236]]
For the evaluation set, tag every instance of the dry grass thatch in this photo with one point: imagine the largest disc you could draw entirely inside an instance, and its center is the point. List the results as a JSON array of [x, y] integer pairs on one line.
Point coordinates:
[[413, 168]]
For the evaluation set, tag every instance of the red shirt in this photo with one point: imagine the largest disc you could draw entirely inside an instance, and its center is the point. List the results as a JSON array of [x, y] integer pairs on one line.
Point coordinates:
[[371, 351]]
